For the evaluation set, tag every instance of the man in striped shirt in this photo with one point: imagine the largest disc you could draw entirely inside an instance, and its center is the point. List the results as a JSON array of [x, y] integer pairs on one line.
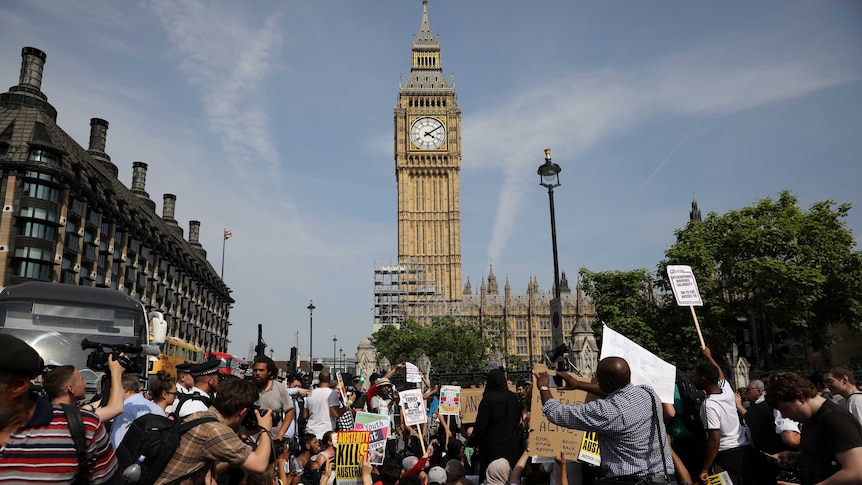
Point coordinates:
[[37, 446]]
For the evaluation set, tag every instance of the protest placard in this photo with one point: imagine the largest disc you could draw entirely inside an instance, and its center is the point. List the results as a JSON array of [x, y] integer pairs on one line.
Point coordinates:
[[470, 399], [450, 400], [412, 407], [413, 373], [351, 448], [342, 392], [548, 439], [684, 286], [645, 366], [590, 450], [378, 427]]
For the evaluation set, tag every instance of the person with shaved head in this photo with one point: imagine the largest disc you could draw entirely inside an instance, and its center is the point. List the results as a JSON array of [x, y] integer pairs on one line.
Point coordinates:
[[631, 434]]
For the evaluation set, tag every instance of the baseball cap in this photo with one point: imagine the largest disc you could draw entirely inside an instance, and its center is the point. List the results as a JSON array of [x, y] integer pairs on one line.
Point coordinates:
[[19, 357], [436, 475]]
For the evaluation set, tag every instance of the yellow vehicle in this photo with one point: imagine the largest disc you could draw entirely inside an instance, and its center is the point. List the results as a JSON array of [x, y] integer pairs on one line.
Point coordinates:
[[175, 351]]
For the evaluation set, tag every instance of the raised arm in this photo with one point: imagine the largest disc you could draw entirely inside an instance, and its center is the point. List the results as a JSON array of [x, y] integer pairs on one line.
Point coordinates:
[[708, 354], [114, 406]]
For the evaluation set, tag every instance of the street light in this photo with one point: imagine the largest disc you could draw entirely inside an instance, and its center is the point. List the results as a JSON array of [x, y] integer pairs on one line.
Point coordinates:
[[310, 340], [549, 176], [334, 341]]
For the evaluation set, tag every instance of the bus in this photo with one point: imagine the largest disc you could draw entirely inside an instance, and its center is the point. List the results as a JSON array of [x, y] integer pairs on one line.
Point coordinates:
[[64, 322], [173, 352], [229, 363]]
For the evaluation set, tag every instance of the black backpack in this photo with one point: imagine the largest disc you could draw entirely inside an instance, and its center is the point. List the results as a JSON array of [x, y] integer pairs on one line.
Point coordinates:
[[692, 400], [156, 438]]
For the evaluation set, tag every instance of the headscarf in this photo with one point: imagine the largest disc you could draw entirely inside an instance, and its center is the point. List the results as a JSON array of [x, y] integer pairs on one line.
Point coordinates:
[[498, 472]]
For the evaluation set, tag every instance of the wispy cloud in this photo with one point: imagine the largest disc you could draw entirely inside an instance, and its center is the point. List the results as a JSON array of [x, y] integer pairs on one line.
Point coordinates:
[[672, 152], [228, 57], [575, 112]]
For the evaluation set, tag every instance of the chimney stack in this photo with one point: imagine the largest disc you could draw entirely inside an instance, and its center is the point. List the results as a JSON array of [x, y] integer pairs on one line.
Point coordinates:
[[98, 138], [169, 205], [32, 65], [139, 180], [194, 237]]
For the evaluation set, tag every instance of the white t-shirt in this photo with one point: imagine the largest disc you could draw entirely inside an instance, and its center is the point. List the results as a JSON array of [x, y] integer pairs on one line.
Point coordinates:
[[719, 412], [319, 419], [853, 403], [192, 406]]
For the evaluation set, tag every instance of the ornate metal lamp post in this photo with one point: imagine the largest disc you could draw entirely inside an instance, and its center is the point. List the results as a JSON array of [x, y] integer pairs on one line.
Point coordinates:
[[311, 308]]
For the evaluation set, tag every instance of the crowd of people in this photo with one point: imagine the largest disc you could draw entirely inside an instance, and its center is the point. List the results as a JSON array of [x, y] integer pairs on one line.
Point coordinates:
[[269, 431]]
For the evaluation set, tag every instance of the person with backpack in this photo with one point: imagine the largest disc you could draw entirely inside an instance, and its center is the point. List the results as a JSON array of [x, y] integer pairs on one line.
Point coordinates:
[[40, 442], [135, 405], [215, 440]]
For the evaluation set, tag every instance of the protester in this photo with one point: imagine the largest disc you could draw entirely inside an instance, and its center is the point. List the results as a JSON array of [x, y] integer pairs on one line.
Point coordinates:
[[36, 445], [206, 384], [318, 416], [273, 395], [769, 431], [840, 381], [135, 405], [308, 446], [216, 441], [727, 444], [495, 432], [623, 420], [831, 446], [163, 390]]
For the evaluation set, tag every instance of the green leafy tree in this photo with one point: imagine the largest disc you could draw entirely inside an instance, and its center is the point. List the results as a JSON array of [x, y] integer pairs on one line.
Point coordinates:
[[626, 301], [451, 345], [796, 267]]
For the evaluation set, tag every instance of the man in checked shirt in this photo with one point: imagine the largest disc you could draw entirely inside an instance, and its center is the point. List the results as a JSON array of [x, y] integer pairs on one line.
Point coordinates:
[[623, 420]]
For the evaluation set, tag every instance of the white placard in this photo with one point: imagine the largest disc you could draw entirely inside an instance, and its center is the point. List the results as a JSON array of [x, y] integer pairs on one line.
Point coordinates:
[[450, 401], [646, 368], [413, 373], [412, 407], [684, 285]]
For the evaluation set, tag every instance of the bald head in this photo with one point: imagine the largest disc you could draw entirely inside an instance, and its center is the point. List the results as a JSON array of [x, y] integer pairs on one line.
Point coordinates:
[[613, 373]]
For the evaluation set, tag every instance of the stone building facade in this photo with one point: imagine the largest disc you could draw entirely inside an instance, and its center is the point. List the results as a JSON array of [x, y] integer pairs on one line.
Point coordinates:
[[527, 319], [67, 218]]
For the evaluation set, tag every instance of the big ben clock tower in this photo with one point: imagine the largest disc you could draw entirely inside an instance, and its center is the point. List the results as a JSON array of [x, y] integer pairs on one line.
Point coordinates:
[[427, 164]]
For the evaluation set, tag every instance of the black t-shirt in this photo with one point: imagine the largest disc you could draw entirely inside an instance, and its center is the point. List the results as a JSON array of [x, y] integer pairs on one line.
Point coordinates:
[[831, 430]]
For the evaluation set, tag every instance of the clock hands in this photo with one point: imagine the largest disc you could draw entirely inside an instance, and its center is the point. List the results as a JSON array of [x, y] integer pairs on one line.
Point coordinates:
[[428, 133]]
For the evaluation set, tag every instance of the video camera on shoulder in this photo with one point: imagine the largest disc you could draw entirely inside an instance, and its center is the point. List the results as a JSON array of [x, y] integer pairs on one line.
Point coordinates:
[[98, 359], [250, 420]]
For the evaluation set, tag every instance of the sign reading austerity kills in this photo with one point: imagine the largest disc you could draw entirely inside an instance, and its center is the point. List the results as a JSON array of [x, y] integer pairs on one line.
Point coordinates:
[[351, 448]]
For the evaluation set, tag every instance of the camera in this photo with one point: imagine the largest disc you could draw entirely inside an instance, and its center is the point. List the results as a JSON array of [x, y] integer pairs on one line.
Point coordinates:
[[98, 359], [250, 420]]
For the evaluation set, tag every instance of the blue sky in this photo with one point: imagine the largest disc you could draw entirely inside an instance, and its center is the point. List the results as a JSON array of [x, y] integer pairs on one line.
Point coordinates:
[[274, 119]]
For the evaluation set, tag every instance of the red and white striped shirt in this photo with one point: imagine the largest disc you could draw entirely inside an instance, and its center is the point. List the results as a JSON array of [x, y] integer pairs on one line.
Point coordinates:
[[43, 451]]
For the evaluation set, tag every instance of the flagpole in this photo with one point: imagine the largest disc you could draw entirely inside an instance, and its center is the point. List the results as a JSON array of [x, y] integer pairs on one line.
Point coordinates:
[[223, 242]]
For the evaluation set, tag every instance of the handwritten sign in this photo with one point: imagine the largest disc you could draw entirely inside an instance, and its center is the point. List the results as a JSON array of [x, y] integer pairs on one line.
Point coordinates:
[[470, 399], [378, 427], [351, 448], [450, 400], [548, 439], [684, 285], [413, 407]]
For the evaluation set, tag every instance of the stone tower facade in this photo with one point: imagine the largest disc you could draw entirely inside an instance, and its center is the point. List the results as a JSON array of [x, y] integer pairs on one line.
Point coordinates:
[[427, 165]]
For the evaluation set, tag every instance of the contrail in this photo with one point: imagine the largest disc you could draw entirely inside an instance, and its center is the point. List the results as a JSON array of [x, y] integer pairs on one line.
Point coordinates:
[[671, 154]]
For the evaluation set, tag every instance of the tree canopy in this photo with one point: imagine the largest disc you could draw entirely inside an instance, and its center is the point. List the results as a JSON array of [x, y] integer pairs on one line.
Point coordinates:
[[451, 345], [796, 267]]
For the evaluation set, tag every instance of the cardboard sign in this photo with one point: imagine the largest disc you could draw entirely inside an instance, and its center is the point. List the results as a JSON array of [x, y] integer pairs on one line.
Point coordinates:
[[450, 400], [351, 448], [412, 407], [548, 439], [378, 427], [413, 373], [470, 399], [684, 285]]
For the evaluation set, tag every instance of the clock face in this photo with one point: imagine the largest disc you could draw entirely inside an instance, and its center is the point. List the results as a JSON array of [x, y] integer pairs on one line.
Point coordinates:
[[428, 133]]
